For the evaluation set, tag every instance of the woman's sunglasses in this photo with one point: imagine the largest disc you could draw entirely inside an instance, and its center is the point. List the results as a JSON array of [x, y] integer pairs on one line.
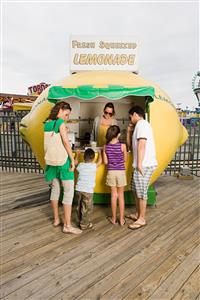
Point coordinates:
[[108, 113]]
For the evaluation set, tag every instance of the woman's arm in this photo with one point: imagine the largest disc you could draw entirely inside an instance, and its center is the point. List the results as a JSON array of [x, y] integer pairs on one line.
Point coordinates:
[[65, 140], [124, 152], [78, 152], [93, 137], [105, 159]]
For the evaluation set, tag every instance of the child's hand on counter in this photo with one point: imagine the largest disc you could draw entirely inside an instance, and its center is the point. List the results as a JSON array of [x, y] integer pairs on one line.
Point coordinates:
[[100, 151], [78, 152]]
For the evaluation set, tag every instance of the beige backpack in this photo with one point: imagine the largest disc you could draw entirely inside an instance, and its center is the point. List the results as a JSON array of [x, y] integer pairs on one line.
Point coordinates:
[[55, 152]]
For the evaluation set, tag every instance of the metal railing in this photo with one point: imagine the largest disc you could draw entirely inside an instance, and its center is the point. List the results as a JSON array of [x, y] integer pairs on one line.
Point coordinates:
[[16, 155], [189, 153]]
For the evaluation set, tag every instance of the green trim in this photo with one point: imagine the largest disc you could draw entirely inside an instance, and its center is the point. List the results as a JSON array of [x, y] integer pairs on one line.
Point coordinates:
[[128, 196], [88, 92]]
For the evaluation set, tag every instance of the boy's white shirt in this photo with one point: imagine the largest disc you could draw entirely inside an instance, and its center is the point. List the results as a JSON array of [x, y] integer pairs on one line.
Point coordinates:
[[143, 130], [86, 177]]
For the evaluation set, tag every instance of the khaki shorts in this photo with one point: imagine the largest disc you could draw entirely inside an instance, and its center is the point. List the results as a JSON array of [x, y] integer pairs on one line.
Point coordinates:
[[116, 178]]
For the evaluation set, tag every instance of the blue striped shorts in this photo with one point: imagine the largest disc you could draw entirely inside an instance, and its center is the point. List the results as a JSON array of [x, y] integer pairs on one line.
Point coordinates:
[[140, 184]]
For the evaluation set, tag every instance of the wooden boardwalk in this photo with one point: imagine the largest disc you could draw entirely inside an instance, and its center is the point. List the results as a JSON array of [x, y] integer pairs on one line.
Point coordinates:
[[157, 262]]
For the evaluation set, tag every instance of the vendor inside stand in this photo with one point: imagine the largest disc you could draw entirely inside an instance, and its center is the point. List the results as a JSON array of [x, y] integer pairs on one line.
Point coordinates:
[[88, 124], [102, 123]]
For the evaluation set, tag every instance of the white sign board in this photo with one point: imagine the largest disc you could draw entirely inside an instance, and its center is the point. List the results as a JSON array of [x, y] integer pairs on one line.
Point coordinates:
[[89, 53]]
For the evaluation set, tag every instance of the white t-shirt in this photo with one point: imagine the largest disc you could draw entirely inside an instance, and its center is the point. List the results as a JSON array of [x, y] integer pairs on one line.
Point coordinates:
[[143, 130], [86, 177]]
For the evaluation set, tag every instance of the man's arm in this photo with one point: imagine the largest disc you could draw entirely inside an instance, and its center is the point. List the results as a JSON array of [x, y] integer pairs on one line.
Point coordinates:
[[140, 153], [130, 129]]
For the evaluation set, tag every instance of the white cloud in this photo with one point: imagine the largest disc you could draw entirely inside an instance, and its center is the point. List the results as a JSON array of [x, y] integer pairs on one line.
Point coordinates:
[[35, 40]]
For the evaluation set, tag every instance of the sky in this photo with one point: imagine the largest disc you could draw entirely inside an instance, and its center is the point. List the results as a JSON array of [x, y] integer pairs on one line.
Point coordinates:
[[35, 40]]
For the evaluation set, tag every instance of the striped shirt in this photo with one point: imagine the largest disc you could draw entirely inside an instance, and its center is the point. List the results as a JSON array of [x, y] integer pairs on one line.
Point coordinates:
[[115, 156]]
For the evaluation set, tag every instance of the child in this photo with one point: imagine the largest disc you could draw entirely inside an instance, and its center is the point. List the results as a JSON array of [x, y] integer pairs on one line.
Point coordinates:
[[85, 187], [115, 156]]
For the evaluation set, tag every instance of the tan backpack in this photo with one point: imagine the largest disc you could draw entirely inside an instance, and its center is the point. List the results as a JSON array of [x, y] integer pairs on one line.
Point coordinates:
[[54, 150]]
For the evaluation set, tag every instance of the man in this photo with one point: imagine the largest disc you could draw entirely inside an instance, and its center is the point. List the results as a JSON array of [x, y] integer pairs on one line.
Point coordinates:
[[142, 142]]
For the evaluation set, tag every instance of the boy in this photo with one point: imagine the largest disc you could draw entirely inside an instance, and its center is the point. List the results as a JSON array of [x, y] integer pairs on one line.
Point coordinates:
[[85, 187]]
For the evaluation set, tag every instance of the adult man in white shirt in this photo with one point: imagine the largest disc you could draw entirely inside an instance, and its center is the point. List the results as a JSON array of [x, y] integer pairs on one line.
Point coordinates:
[[144, 162]]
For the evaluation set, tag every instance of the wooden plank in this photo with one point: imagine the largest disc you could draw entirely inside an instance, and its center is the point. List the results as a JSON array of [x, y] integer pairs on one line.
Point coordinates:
[[24, 239], [22, 249], [136, 272], [26, 226], [20, 181], [107, 250], [8, 216], [10, 256], [142, 259], [69, 253], [10, 187], [173, 283], [102, 259], [159, 275], [191, 288], [24, 261]]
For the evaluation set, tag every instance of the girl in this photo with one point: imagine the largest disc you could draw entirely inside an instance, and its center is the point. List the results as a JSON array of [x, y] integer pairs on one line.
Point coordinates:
[[61, 174], [115, 156]]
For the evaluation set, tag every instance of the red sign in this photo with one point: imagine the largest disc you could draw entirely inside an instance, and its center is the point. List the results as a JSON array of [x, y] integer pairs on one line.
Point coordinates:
[[37, 89]]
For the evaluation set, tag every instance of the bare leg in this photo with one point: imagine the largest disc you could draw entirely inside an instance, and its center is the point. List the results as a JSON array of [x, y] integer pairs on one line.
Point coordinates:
[[54, 205], [67, 214], [120, 191], [141, 217], [55, 192], [137, 206], [114, 203], [142, 210], [68, 194]]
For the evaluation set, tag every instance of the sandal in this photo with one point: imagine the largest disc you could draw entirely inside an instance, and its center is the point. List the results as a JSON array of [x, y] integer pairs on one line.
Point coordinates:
[[71, 229], [88, 226], [131, 216], [56, 223], [136, 225], [111, 221], [124, 222]]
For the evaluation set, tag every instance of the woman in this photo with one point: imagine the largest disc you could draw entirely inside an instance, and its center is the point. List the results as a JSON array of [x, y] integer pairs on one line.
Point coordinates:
[[61, 174], [101, 124]]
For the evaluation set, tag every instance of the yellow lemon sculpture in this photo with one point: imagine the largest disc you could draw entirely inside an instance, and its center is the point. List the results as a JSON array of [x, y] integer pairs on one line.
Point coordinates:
[[168, 132]]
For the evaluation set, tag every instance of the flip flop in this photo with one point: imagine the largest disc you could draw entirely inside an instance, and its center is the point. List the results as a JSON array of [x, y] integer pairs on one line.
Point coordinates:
[[131, 216], [111, 221], [88, 226], [136, 225]]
